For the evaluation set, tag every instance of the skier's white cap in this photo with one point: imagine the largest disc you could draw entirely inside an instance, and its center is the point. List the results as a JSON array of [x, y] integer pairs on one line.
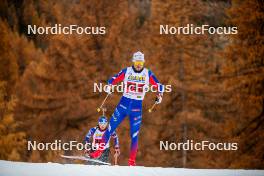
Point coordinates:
[[138, 56]]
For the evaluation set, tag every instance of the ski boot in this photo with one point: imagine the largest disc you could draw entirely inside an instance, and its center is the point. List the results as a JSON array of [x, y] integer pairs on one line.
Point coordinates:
[[131, 162], [87, 154]]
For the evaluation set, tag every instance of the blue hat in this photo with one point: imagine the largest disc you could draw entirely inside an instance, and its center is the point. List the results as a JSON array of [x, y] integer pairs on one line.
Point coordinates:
[[102, 120]]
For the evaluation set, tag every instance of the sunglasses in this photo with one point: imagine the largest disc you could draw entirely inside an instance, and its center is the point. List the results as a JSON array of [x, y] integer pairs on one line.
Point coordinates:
[[139, 63], [103, 123]]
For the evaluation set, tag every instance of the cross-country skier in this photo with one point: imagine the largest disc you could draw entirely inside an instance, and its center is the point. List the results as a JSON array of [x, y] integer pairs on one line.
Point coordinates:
[[95, 137], [135, 78]]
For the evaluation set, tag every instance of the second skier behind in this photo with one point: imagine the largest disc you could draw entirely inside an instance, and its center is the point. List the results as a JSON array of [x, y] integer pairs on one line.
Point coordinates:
[[94, 137]]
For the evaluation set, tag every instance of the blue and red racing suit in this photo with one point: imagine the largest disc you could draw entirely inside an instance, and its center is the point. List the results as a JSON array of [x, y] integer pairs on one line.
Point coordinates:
[[130, 104], [95, 135]]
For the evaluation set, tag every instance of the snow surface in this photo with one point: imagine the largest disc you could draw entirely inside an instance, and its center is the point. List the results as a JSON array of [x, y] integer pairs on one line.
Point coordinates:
[[10, 168]]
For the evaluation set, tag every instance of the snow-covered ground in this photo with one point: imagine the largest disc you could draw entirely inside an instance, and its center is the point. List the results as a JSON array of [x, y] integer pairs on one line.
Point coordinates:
[[9, 168]]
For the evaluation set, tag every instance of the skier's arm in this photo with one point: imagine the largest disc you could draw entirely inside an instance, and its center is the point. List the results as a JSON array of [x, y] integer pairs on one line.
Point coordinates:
[[116, 140], [117, 78], [89, 135], [155, 82]]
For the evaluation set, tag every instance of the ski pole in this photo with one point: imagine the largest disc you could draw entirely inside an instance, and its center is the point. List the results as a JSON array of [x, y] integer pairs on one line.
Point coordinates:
[[99, 109], [152, 107], [104, 110], [116, 156]]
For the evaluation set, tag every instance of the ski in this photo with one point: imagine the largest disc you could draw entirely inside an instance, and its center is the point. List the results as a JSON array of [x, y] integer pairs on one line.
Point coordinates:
[[85, 159]]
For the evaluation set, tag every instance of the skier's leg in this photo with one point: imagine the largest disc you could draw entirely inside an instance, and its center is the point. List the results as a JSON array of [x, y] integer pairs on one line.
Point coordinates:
[[135, 122], [117, 117], [105, 156]]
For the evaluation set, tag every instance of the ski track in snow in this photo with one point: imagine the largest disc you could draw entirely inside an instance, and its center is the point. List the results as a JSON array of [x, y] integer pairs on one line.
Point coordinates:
[[10, 168]]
